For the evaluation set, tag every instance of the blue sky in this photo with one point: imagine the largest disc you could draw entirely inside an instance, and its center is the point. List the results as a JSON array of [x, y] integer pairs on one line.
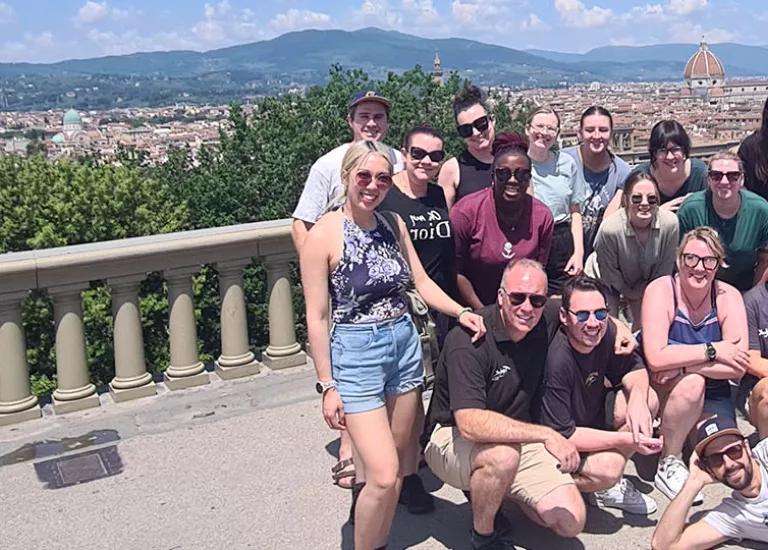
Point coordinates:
[[51, 30]]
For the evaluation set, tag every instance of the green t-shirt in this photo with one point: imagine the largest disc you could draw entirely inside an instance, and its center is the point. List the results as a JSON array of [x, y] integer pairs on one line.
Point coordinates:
[[743, 235]]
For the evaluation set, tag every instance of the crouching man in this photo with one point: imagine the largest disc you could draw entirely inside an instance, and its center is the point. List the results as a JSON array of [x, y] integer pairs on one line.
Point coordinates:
[[722, 455], [481, 438], [600, 401]]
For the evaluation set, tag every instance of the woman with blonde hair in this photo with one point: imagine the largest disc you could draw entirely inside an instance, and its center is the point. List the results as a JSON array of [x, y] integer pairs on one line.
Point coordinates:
[[695, 341], [369, 371]]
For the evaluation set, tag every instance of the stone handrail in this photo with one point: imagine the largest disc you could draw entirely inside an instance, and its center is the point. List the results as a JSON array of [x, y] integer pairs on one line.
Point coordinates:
[[65, 272]]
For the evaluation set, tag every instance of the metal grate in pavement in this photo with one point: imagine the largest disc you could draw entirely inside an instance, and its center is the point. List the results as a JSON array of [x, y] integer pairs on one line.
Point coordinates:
[[80, 468]]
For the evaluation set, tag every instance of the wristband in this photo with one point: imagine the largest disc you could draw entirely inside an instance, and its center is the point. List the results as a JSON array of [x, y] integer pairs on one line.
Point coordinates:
[[462, 311]]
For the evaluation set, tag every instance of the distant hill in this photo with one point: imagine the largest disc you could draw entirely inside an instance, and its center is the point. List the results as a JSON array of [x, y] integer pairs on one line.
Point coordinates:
[[303, 58], [738, 59]]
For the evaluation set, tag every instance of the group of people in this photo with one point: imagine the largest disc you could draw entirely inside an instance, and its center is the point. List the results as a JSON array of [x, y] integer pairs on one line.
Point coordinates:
[[537, 265]]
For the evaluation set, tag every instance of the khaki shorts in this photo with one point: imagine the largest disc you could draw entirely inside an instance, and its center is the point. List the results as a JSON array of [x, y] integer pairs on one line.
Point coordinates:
[[450, 458]]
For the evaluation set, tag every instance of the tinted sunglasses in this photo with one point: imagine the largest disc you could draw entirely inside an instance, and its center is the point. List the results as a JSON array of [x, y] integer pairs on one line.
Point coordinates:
[[480, 124], [716, 460], [582, 316], [710, 263], [517, 298], [717, 176], [364, 177], [638, 199], [418, 154], [503, 175]]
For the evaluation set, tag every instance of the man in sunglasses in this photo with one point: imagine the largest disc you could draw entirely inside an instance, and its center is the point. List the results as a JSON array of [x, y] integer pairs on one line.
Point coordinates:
[[599, 400], [722, 455], [739, 216], [480, 436], [368, 118]]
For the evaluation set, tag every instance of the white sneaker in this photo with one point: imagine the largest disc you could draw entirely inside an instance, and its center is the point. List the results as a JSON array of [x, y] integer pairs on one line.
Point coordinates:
[[671, 476], [623, 496]]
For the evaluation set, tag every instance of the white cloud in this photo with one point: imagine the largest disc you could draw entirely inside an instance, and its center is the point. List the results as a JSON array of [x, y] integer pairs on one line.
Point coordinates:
[[465, 12], [685, 7], [689, 32], [40, 41], [91, 12], [119, 15], [377, 13], [294, 19], [422, 10], [646, 12], [6, 13], [575, 14], [534, 23], [223, 26]]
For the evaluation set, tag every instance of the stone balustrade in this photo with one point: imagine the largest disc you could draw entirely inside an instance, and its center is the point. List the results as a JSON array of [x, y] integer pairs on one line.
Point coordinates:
[[123, 264]]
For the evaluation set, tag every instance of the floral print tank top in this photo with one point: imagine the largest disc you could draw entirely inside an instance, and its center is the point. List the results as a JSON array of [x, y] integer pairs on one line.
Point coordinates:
[[368, 285]]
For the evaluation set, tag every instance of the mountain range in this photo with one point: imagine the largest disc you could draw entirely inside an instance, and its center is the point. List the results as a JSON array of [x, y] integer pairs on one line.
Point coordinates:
[[304, 57]]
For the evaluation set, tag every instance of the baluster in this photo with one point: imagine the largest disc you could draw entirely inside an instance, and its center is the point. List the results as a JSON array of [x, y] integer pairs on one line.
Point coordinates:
[[74, 389], [283, 349], [16, 400], [131, 379], [186, 369], [236, 359]]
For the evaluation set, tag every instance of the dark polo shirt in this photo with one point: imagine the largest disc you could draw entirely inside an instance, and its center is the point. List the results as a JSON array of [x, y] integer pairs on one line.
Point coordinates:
[[494, 373]]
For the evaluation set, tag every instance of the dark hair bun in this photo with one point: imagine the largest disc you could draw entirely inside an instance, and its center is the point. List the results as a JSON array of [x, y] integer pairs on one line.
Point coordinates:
[[509, 140]]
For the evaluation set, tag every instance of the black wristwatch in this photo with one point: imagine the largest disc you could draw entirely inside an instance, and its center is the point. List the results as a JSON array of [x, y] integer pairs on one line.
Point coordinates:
[[322, 387], [711, 352]]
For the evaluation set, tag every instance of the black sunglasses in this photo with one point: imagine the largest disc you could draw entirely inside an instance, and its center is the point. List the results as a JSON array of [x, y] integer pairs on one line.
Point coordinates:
[[418, 154], [503, 175], [517, 298], [480, 124], [717, 176], [582, 316], [638, 199], [716, 460], [710, 263]]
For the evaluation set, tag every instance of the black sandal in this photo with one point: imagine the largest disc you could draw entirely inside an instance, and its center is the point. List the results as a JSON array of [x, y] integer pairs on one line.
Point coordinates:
[[340, 471]]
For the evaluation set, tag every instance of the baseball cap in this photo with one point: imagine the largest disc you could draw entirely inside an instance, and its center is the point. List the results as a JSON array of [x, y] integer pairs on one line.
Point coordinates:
[[715, 427], [369, 95]]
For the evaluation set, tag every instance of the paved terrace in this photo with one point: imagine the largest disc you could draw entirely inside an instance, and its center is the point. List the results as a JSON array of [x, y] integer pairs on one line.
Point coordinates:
[[237, 464]]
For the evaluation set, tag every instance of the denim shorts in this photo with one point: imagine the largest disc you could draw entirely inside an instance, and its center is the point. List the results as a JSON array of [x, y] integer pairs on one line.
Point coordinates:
[[371, 362]]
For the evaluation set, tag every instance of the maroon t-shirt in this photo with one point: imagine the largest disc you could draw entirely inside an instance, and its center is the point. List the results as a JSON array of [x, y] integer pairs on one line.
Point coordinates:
[[483, 249]]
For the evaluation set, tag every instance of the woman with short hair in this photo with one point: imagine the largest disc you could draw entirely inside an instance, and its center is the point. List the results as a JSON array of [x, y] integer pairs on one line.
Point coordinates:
[[500, 223], [677, 175], [370, 369], [471, 170]]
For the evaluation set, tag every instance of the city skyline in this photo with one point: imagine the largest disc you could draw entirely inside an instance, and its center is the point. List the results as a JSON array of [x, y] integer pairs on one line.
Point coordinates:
[[83, 29]]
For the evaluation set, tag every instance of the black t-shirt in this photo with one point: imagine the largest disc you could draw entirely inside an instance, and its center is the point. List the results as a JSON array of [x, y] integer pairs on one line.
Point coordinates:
[[474, 175], [494, 373], [430, 229], [574, 386], [749, 151]]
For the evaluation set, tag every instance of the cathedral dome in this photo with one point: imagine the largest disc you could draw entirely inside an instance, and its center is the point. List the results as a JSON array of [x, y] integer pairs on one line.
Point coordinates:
[[72, 117], [704, 65]]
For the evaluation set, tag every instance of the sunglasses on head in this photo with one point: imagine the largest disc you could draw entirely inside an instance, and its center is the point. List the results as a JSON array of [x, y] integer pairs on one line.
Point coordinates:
[[716, 460], [717, 176], [503, 175], [364, 177], [582, 316], [517, 298], [418, 154], [638, 199], [710, 263], [480, 124]]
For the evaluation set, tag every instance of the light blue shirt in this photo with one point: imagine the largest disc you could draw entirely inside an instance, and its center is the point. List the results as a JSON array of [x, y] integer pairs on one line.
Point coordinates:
[[559, 183]]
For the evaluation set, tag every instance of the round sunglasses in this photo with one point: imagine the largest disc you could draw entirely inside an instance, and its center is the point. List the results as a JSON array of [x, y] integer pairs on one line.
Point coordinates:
[[582, 316]]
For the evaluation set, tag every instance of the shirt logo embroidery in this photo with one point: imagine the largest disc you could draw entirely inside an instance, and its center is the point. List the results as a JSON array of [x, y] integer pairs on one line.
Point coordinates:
[[763, 332], [500, 373], [508, 253], [591, 379]]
